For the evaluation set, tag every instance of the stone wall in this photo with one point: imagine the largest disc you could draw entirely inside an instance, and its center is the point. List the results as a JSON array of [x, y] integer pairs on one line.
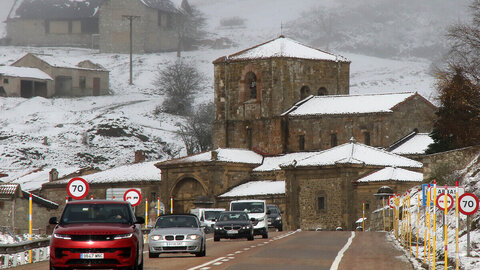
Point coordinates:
[[148, 35], [453, 160]]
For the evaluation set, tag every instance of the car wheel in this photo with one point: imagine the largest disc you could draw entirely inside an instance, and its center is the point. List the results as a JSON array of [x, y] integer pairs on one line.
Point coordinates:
[[203, 252], [216, 238], [140, 266], [153, 255], [265, 234], [280, 229], [250, 237]]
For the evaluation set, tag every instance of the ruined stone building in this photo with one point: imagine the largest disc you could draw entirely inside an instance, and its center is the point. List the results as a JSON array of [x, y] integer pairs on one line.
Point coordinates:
[[99, 24], [285, 118]]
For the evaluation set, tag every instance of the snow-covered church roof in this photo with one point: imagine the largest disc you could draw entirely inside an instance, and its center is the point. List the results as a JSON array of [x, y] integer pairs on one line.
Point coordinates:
[[281, 47], [355, 153], [393, 174], [349, 104], [256, 188], [415, 145], [229, 155]]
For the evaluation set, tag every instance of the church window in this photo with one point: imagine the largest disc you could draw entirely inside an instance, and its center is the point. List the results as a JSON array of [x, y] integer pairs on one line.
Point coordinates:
[[333, 140], [322, 91], [304, 92], [366, 138], [301, 142], [251, 85], [249, 138], [321, 204]]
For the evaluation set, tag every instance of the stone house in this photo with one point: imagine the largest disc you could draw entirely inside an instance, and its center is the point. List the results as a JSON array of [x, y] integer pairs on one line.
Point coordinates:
[[69, 79], [112, 184], [96, 24], [24, 82], [14, 205]]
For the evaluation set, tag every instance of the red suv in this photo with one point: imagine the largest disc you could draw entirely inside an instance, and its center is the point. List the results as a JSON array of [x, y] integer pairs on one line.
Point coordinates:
[[97, 234]]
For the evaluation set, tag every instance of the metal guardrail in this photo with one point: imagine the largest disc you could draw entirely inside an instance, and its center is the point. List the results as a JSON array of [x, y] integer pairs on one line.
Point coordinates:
[[23, 246]]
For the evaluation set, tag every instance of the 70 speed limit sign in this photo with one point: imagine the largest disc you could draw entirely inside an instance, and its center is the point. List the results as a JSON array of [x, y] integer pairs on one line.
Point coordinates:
[[468, 204], [77, 188]]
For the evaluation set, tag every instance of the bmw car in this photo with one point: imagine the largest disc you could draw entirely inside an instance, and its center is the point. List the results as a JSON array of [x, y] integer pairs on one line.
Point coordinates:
[[177, 233], [233, 224]]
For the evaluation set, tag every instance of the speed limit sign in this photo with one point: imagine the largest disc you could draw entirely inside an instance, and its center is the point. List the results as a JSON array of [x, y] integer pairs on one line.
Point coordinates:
[[468, 204], [77, 188]]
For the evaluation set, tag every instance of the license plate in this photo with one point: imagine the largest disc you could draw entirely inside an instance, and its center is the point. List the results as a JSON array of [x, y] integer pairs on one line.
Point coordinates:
[[232, 232], [91, 255], [174, 244]]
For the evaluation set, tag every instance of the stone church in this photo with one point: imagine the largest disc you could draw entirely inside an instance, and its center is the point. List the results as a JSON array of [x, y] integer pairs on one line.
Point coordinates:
[[284, 115]]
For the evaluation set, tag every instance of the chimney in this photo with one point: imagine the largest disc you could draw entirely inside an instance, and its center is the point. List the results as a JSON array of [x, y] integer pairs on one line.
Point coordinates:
[[139, 156], [53, 175], [214, 155]]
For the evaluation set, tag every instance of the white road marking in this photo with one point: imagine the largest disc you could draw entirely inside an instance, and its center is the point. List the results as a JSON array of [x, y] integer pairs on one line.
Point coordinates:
[[337, 260], [207, 263]]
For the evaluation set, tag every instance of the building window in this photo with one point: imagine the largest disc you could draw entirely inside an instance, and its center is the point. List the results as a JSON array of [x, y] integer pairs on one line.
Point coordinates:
[[5, 81], [301, 142], [321, 203], [249, 138], [322, 91], [367, 206], [165, 20], [366, 138], [82, 82], [333, 139], [251, 85], [304, 92]]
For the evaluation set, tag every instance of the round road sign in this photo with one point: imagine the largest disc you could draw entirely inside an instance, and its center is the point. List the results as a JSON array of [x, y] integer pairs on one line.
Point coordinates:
[[391, 201], [132, 196], [77, 188], [441, 201], [468, 203]]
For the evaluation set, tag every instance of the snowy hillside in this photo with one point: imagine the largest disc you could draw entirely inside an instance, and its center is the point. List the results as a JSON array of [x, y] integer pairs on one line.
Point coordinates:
[[105, 131]]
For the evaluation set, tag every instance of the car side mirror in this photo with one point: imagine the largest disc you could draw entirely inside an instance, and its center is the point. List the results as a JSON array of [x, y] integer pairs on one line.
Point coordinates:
[[53, 220], [214, 220], [140, 220], [268, 212], [281, 212], [252, 219]]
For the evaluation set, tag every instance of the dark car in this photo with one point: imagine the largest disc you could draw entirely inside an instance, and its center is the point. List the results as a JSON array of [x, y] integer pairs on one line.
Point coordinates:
[[275, 217], [233, 224], [177, 233], [97, 234]]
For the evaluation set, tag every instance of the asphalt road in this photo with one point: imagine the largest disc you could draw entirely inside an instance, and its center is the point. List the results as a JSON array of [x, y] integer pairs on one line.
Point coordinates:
[[299, 250]]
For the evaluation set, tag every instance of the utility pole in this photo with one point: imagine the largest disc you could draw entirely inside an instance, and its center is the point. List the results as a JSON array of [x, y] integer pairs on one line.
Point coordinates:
[[131, 18]]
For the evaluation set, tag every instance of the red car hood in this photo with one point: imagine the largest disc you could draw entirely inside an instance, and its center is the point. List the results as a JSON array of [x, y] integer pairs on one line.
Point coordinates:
[[93, 229]]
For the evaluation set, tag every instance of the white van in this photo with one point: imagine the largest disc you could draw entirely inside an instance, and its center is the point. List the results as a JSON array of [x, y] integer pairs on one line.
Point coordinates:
[[207, 216], [255, 209]]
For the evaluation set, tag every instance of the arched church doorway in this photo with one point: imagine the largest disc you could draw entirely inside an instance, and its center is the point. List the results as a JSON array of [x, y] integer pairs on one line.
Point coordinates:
[[186, 194]]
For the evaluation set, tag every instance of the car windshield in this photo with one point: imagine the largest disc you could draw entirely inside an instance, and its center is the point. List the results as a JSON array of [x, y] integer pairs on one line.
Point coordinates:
[[273, 210], [96, 213], [249, 207], [233, 217], [176, 222], [209, 215]]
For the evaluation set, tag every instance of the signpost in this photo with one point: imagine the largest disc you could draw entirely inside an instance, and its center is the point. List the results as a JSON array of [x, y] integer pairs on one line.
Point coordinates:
[[77, 188], [468, 205], [133, 196]]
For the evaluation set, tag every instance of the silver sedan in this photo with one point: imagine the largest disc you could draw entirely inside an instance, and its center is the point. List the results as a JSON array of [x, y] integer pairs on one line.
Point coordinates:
[[177, 233]]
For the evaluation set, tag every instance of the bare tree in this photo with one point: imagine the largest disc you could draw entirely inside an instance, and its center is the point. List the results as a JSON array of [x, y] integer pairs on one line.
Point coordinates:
[[189, 27], [196, 132], [179, 82]]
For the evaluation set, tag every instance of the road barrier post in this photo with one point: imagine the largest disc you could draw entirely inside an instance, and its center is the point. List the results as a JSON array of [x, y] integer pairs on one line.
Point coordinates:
[[456, 226], [446, 232], [30, 226], [434, 224], [418, 217]]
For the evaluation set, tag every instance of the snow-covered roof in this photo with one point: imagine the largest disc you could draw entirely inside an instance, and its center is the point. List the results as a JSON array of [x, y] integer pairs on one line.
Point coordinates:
[[282, 47], [24, 72], [164, 5], [55, 61], [8, 189], [393, 174], [145, 171], [273, 163], [55, 9], [230, 155], [348, 104], [254, 188], [355, 153], [417, 144], [34, 180]]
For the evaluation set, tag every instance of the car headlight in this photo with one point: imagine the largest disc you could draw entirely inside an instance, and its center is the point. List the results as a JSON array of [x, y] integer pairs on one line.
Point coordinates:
[[279, 218], [246, 227], [156, 237], [62, 236], [217, 227], [193, 236], [123, 236]]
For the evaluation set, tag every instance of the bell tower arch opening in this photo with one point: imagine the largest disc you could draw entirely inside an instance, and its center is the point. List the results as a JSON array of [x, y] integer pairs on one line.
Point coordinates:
[[251, 85], [186, 194]]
